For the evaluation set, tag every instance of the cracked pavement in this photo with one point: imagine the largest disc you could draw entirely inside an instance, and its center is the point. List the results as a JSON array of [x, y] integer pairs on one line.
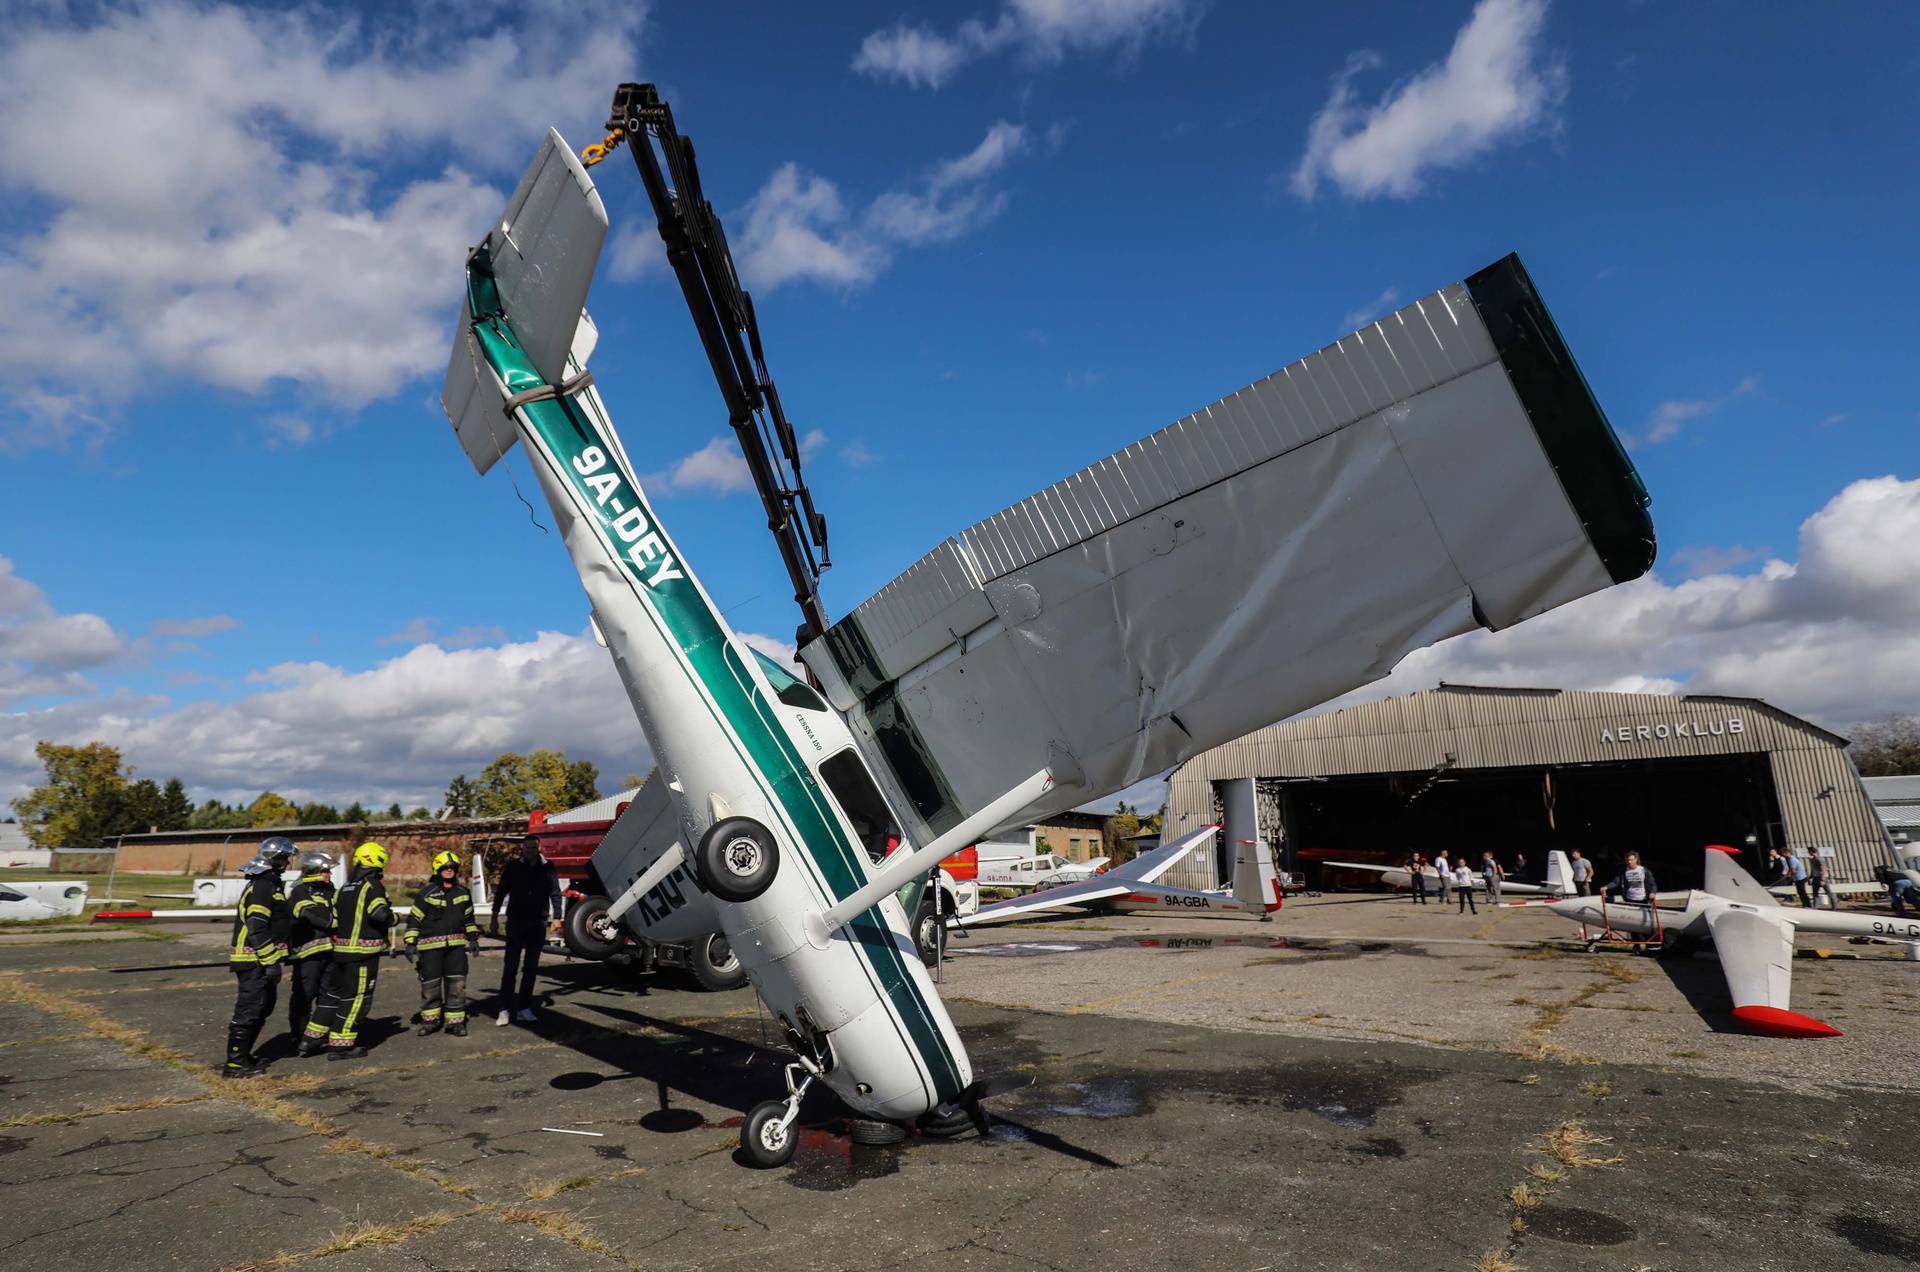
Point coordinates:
[[1349, 1098]]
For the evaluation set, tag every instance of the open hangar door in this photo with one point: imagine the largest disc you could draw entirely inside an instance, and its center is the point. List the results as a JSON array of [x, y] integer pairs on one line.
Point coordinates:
[[1667, 810]]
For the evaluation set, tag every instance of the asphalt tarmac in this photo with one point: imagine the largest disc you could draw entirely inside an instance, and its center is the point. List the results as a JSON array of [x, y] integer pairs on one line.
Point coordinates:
[[1358, 1085]]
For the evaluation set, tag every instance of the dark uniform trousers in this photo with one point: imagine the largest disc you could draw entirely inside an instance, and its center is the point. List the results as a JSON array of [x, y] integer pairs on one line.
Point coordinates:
[[443, 984], [346, 992], [303, 990], [259, 988]]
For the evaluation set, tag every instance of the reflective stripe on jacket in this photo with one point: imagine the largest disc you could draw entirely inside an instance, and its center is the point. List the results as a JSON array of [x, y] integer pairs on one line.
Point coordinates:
[[260, 923], [311, 905], [442, 917], [361, 917]]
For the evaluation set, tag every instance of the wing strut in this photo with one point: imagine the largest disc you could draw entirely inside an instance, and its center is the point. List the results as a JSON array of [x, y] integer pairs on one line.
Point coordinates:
[[723, 315]]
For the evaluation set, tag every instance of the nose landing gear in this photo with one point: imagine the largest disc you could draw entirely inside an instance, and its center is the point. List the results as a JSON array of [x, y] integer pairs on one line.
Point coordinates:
[[768, 1136]]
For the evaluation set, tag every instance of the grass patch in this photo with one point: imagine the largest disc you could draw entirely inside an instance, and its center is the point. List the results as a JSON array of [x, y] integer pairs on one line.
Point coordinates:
[[1546, 1174], [101, 1110], [1572, 1144], [1596, 1089], [541, 1192], [1532, 1079], [1518, 1223], [1496, 1261], [361, 1236], [1545, 953], [1525, 1196], [1688, 1055], [565, 1227]]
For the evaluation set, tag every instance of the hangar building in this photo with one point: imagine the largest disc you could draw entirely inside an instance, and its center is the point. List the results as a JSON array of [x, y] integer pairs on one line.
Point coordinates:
[[1469, 769]]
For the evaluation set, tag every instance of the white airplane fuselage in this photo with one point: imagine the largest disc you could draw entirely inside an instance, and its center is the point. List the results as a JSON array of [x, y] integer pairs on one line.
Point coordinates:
[[728, 745], [1685, 914]]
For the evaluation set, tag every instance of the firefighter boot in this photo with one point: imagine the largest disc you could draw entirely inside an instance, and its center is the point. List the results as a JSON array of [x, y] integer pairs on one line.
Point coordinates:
[[240, 1064]]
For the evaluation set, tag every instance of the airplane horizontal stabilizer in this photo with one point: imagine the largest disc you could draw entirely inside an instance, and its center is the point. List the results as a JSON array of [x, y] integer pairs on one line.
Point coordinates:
[[1756, 956], [541, 258]]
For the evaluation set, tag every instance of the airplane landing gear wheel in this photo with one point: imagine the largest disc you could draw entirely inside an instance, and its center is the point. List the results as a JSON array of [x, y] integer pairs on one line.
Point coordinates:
[[737, 859], [872, 1131], [766, 1138]]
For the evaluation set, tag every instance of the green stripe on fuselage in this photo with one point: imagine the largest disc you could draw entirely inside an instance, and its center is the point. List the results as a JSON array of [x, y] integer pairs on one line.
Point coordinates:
[[691, 623]]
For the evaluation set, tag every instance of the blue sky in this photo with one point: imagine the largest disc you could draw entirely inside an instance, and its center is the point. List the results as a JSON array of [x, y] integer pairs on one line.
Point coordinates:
[[989, 243]]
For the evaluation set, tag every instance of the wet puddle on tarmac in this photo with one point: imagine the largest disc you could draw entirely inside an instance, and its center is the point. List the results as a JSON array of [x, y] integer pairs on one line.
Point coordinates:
[[1575, 1226]]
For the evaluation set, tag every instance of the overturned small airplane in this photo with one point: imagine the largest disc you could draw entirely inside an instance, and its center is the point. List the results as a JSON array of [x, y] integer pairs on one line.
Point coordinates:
[[1444, 469], [1750, 931]]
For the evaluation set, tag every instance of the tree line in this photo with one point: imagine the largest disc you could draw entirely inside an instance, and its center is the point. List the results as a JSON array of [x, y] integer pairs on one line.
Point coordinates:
[[90, 796]]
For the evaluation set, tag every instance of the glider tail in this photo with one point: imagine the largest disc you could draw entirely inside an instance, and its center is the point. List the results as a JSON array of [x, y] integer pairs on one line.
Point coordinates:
[[1559, 874], [1724, 878], [1254, 881]]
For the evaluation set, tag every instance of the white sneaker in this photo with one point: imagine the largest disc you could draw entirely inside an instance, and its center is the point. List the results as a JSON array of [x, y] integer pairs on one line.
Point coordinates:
[[524, 1015], [503, 1018]]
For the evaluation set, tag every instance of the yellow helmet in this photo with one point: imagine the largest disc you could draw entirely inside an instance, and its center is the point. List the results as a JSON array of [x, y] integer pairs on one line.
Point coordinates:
[[445, 858], [370, 855]]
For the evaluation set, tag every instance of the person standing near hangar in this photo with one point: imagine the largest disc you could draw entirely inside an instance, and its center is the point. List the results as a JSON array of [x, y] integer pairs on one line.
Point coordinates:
[[311, 906], [361, 919], [260, 928], [440, 936]]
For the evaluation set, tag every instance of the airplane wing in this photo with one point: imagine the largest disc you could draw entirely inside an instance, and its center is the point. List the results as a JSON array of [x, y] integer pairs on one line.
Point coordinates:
[[1119, 881], [1444, 469], [1756, 955]]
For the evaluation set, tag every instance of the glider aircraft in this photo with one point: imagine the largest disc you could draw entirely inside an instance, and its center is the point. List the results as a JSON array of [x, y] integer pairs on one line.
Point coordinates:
[[1445, 468], [1559, 877], [1751, 932], [1130, 889]]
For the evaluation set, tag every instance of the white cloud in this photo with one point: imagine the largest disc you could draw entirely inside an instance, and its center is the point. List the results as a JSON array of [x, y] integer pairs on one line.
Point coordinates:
[[719, 468], [1699, 559], [396, 731], [1495, 85], [1039, 32], [799, 228], [278, 206], [857, 454], [1834, 636], [1672, 416], [43, 651], [1372, 310]]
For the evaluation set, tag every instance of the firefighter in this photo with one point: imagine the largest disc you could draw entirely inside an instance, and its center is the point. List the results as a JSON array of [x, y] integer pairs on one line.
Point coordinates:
[[361, 918], [260, 929], [439, 938], [311, 904]]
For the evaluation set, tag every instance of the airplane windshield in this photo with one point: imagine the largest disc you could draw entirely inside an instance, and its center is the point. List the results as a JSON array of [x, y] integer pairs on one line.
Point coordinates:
[[786, 687]]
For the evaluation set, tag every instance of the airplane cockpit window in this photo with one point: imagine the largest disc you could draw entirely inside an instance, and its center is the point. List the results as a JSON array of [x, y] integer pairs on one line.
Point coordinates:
[[8, 894], [860, 800], [786, 687]]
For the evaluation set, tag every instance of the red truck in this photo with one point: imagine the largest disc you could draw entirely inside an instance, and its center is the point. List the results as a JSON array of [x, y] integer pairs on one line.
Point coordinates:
[[569, 843]]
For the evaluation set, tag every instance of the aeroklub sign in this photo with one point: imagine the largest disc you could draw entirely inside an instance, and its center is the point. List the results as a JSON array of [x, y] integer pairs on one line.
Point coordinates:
[[1732, 726]]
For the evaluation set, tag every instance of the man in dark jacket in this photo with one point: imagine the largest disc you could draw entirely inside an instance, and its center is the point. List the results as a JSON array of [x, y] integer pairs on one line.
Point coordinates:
[[259, 946], [440, 936], [1634, 883], [361, 918], [311, 939], [528, 890]]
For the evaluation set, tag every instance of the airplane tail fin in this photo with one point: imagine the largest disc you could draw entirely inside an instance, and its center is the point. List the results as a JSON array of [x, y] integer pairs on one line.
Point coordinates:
[[1724, 878], [536, 264], [1254, 880], [1559, 874]]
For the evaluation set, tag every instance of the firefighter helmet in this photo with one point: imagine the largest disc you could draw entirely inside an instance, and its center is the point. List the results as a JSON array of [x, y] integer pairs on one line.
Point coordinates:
[[370, 855], [315, 863], [445, 858], [276, 846]]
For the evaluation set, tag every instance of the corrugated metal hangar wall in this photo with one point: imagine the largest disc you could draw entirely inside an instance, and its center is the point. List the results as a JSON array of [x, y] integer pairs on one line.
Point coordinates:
[[1454, 731]]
